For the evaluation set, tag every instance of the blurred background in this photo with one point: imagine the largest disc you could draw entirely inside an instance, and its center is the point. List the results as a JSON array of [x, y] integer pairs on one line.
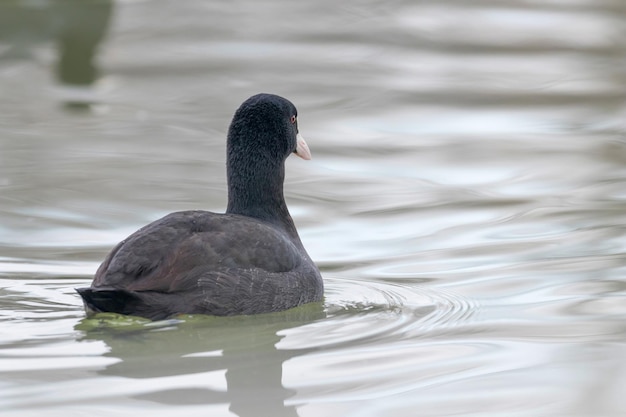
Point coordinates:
[[466, 203]]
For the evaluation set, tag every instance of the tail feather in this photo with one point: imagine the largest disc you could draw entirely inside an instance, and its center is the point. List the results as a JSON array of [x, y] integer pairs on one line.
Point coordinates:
[[108, 300], [149, 304]]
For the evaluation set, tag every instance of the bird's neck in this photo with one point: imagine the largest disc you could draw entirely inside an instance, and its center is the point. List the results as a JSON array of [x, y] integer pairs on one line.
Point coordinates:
[[256, 190]]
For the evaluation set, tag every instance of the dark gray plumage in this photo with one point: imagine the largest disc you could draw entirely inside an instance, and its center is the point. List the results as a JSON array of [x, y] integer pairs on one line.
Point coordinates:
[[249, 260]]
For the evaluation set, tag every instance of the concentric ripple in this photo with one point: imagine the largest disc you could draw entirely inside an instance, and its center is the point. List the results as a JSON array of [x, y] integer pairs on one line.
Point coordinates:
[[369, 310]]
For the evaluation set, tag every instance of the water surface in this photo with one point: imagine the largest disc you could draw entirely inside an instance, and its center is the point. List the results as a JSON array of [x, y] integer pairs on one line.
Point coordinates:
[[466, 203]]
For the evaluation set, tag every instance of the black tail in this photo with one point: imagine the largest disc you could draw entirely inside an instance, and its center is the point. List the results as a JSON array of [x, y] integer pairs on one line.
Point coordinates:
[[108, 300], [149, 304]]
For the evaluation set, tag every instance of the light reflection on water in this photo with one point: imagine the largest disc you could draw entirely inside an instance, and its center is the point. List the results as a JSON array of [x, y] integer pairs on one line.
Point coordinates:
[[465, 204]]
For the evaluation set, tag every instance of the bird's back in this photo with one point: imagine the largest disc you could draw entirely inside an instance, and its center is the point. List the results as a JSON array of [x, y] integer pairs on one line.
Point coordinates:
[[198, 262]]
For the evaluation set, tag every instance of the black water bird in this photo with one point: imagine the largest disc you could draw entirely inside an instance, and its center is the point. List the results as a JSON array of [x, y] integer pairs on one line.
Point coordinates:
[[249, 260]]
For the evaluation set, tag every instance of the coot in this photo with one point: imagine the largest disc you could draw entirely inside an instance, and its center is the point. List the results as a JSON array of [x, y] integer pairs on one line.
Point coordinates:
[[249, 260]]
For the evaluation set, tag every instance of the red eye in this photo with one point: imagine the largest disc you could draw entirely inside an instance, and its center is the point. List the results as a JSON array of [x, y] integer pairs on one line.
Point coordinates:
[[293, 119]]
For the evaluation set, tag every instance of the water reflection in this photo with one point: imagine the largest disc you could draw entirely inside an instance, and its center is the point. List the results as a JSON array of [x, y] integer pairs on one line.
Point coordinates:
[[202, 348], [466, 203], [76, 27]]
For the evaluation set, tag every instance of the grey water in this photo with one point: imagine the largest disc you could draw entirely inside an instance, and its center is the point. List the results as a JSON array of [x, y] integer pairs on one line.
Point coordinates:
[[466, 204]]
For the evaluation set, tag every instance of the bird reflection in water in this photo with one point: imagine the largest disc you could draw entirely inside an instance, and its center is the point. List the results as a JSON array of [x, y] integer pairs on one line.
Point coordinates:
[[245, 347], [77, 27]]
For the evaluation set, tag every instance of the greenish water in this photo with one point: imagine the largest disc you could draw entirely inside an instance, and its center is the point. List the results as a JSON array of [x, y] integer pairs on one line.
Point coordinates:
[[466, 203]]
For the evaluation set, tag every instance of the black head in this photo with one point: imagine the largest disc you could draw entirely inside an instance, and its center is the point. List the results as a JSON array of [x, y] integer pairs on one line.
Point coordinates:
[[266, 126], [263, 133]]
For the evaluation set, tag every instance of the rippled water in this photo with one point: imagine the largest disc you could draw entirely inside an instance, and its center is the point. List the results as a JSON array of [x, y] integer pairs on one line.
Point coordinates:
[[466, 203]]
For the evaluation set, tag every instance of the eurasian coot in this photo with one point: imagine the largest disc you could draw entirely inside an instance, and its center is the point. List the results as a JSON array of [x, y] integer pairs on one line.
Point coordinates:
[[249, 260]]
